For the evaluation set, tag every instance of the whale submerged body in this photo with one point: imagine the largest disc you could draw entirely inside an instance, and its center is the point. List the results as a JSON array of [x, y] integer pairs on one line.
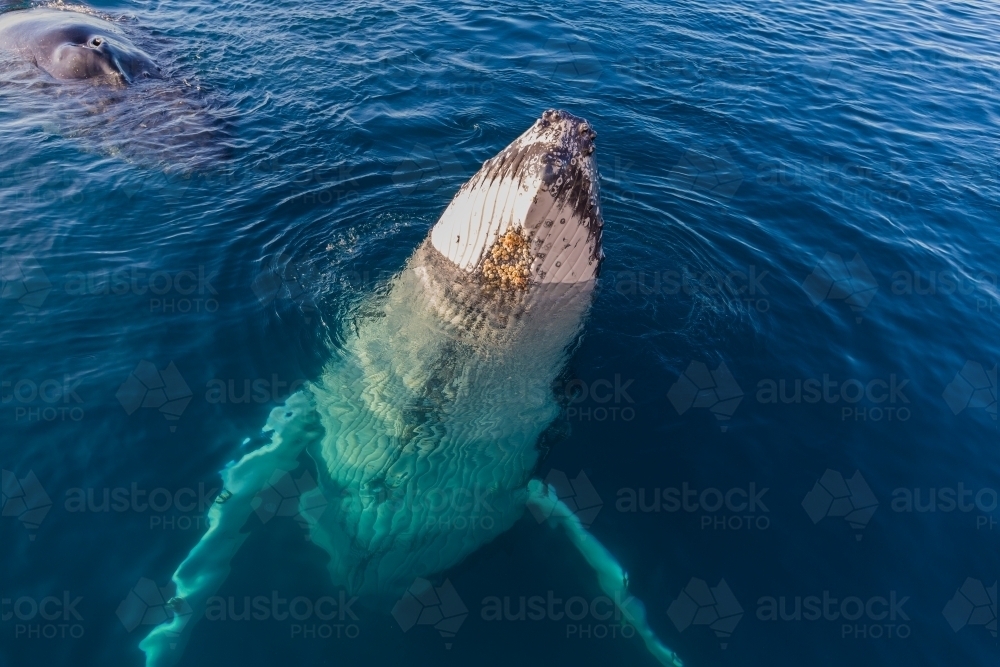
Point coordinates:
[[437, 402]]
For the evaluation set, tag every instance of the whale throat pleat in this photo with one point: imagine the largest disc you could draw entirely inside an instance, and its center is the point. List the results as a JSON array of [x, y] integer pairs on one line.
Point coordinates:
[[544, 186]]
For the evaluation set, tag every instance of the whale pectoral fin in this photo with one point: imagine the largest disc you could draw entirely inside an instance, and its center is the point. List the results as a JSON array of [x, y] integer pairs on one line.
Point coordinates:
[[207, 564], [610, 576]]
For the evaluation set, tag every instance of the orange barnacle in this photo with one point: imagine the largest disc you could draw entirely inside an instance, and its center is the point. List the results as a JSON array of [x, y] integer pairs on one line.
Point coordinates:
[[508, 262]]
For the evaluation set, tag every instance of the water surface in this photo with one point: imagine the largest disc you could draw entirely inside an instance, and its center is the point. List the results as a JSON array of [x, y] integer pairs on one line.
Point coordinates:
[[751, 155]]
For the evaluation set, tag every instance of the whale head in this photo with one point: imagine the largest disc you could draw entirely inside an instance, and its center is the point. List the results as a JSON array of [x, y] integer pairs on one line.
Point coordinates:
[[89, 54], [70, 45], [531, 216]]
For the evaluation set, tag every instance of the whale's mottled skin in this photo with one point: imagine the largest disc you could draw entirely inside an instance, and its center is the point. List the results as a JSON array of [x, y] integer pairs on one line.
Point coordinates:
[[72, 45], [424, 429], [544, 184]]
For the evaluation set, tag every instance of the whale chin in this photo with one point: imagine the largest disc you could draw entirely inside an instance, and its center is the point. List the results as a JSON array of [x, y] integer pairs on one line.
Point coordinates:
[[531, 216]]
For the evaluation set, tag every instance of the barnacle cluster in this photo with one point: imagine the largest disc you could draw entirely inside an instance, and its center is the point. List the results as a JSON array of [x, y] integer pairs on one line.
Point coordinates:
[[508, 262]]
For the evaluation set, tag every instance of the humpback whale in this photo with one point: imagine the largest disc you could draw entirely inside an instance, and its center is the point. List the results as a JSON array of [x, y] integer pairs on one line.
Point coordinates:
[[72, 45], [113, 85], [443, 392]]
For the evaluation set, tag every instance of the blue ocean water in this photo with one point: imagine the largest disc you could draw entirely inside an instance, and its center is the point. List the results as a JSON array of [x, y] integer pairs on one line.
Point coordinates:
[[782, 416]]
